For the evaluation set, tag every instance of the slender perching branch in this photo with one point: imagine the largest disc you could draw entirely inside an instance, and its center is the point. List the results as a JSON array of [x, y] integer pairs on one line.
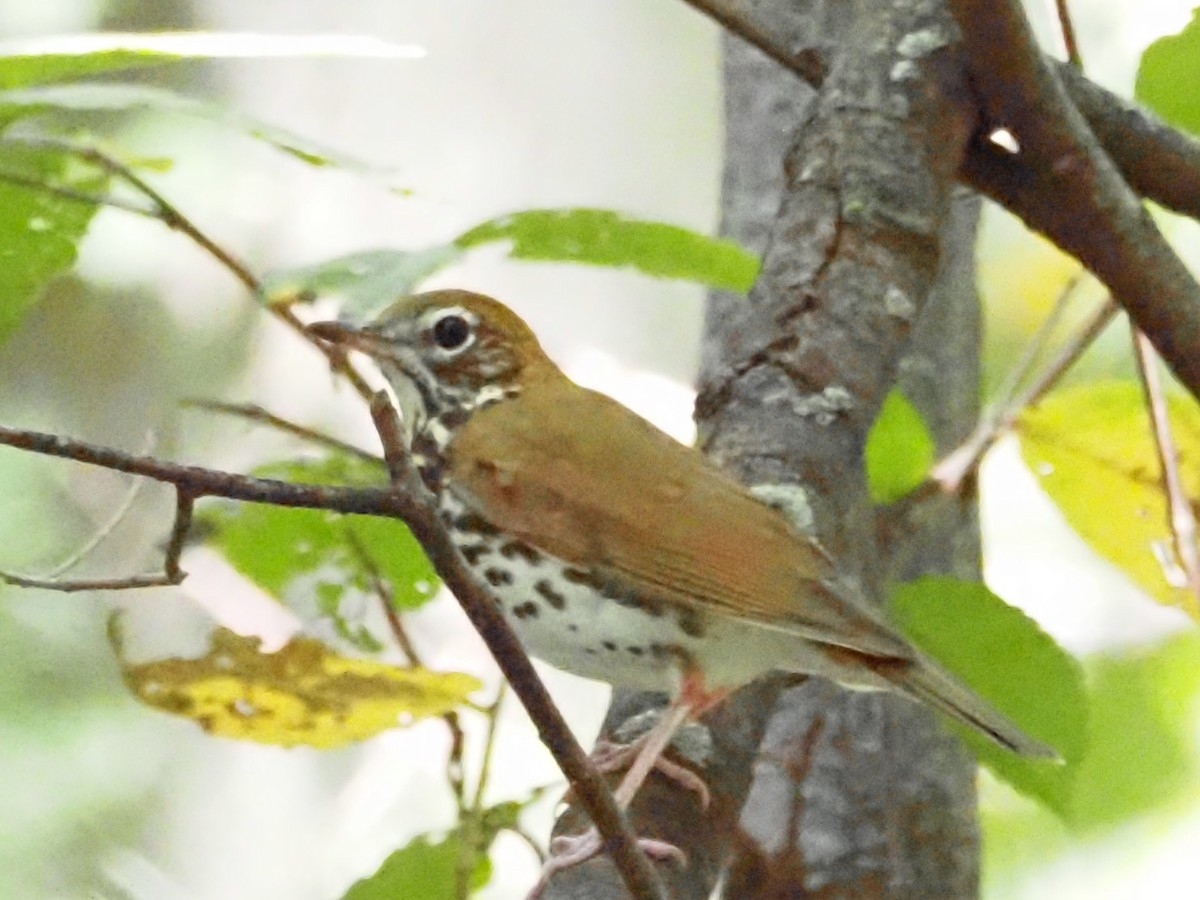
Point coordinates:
[[254, 413], [955, 466], [518, 671], [164, 211], [420, 515], [171, 573], [1066, 188], [1181, 517]]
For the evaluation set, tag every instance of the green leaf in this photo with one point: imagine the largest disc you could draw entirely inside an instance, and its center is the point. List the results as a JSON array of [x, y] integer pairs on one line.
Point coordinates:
[[366, 282], [1003, 655], [1143, 746], [1090, 447], [21, 69], [274, 546], [602, 237], [1141, 759], [41, 60], [39, 232], [1168, 74], [105, 97], [899, 449], [421, 869]]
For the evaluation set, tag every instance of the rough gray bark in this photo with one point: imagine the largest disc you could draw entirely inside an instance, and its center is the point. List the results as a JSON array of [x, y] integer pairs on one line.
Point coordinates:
[[867, 282], [854, 794]]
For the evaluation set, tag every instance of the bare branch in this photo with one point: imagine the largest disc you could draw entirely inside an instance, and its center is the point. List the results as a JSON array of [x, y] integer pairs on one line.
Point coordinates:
[[510, 656], [953, 468], [1089, 210], [256, 413], [171, 574], [420, 515], [1181, 516]]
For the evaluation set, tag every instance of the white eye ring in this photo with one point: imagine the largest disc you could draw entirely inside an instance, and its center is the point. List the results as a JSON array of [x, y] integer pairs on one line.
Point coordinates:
[[453, 331]]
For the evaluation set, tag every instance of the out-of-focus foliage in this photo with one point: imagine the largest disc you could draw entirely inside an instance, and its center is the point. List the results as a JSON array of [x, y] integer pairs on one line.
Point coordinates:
[[1007, 659], [302, 693], [368, 280], [899, 449], [427, 868], [1168, 75], [326, 553], [1141, 757], [39, 231], [1092, 450]]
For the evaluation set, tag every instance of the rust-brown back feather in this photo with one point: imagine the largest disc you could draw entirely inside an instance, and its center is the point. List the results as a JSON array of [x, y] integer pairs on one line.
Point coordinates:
[[581, 477]]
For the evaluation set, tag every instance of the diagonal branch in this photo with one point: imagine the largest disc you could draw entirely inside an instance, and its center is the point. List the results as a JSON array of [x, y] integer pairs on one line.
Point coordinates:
[[1093, 213], [1077, 196], [418, 513], [171, 572]]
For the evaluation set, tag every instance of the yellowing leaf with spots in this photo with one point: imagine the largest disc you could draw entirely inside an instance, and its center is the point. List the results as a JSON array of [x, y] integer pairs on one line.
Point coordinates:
[[301, 694], [1092, 449]]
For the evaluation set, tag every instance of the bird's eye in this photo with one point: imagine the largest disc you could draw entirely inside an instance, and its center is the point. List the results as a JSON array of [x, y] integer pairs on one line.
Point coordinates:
[[451, 331]]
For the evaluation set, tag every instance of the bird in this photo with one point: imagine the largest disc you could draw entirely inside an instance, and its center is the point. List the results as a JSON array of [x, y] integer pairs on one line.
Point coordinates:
[[616, 552]]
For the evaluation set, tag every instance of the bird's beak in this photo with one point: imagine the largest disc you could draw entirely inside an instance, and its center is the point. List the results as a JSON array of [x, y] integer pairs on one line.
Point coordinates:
[[350, 336]]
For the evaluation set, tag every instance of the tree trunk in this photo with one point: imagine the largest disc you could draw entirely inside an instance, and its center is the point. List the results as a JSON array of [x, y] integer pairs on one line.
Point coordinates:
[[867, 283]]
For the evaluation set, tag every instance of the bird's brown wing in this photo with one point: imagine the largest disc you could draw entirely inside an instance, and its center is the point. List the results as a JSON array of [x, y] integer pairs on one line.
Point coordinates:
[[584, 479]]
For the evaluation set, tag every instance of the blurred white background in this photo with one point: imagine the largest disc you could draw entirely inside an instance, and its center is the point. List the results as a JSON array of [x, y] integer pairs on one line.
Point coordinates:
[[518, 104]]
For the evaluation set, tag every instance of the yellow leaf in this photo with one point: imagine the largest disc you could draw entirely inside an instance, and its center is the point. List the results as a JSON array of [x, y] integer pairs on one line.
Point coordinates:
[[1092, 449], [302, 694]]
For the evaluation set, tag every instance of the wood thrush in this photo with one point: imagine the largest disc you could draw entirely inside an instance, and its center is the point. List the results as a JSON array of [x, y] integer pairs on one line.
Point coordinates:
[[615, 552]]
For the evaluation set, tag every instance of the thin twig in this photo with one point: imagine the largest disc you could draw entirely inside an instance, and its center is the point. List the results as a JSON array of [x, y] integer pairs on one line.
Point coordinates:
[[75, 195], [590, 788], [1087, 205], [1182, 517], [471, 816], [171, 573], [256, 413], [1067, 29], [1036, 344], [166, 212], [104, 530], [949, 472]]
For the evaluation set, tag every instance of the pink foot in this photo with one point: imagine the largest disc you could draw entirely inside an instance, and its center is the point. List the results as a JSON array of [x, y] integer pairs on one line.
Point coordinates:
[[608, 757], [571, 850]]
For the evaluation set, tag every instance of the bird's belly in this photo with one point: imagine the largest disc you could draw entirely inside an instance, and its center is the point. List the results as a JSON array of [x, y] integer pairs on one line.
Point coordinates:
[[566, 616]]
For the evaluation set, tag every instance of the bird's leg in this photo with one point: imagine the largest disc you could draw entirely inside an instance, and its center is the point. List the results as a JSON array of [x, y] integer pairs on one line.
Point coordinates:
[[571, 850]]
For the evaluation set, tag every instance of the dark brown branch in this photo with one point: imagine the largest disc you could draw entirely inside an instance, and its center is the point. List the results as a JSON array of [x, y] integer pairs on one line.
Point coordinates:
[[1159, 162], [171, 573], [1089, 210], [421, 517], [590, 788], [1076, 198], [256, 413]]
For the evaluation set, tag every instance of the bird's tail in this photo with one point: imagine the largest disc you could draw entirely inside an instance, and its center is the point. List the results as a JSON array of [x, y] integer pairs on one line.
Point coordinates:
[[925, 680]]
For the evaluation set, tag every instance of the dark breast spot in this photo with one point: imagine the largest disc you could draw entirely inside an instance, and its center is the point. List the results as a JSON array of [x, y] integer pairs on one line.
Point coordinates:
[[586, 577], [472, 552], [526, 610], [474, 524], [497, 577], [550, 595], [690, 622], [514, 549]]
